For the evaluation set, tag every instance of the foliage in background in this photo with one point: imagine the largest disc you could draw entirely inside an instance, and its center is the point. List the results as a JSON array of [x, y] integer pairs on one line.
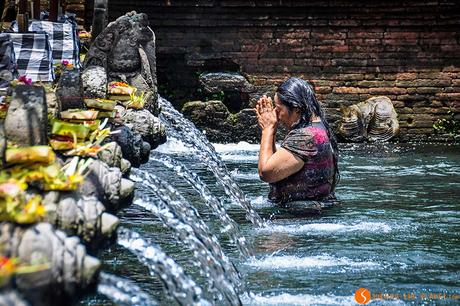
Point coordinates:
[[450, 126]]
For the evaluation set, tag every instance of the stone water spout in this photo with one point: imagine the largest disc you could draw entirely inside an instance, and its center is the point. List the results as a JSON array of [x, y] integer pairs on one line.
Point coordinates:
[[112, 155], [106, 184], [145, 124], [67, 269], [133, 148], [79, 215]]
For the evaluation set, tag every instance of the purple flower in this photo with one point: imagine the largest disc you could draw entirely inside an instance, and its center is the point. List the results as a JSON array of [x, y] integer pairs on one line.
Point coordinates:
[[65, 63], [25, 80]]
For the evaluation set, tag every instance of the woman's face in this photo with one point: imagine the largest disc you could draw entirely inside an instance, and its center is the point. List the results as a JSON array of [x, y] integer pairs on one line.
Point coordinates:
[[286, 116]]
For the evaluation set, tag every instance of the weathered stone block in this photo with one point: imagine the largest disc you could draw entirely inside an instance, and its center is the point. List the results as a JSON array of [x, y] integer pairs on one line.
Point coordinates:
[[70, 90], [94, 80], [245, 126], [216, 82], [26, 122]]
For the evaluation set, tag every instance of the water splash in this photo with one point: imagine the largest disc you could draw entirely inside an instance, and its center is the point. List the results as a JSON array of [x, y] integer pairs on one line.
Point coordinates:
[[300, 299], [122, 291], [178, 285], [327, 228], [228, 225], [183, 219], [181, 128], [309, 262]]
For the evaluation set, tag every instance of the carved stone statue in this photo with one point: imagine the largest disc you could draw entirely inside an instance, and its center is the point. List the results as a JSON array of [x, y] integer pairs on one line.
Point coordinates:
[[373, 120], [125, 49]]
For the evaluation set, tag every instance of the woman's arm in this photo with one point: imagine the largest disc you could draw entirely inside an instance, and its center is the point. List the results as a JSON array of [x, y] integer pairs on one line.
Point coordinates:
[[273, 165], [279, 166]]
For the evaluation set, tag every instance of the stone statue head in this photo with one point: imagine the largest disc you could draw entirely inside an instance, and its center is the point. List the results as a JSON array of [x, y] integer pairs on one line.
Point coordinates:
[[117, 47]]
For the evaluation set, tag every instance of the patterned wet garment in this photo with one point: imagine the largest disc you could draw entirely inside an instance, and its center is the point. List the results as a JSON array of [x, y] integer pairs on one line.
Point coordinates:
[[314, 180]]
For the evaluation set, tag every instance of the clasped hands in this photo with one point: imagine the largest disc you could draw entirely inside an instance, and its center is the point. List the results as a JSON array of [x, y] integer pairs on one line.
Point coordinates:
[[267, 116]]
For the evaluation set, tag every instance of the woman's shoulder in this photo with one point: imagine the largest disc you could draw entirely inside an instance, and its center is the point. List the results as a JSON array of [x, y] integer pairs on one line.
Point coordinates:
[[301, 132], [299, 141], [315, 133]]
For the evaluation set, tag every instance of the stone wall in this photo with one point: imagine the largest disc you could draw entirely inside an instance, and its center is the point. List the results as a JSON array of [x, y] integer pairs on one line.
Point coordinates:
[[351, 50]]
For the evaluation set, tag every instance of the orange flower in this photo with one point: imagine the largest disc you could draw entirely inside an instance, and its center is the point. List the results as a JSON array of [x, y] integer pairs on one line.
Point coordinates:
[[118, 84], [7, 266]]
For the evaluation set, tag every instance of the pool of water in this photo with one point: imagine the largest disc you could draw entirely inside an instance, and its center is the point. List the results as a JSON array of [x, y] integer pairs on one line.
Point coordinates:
[[397, 232]]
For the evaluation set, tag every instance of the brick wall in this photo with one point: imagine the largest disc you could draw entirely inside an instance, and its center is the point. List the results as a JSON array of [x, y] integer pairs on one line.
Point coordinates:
[[351, 50]]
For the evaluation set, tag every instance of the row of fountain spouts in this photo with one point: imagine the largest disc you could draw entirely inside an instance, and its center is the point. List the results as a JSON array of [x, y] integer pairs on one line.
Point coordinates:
[[183, 220]]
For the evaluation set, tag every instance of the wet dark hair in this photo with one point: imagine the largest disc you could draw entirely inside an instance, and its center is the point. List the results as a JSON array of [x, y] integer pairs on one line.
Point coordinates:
[[297, 93]]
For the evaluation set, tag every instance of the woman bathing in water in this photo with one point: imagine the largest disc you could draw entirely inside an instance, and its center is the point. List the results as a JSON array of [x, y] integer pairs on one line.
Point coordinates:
[[305, 167]]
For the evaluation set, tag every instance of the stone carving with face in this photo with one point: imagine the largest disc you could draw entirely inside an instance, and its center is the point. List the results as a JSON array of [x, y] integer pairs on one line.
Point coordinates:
[[126, 51]]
